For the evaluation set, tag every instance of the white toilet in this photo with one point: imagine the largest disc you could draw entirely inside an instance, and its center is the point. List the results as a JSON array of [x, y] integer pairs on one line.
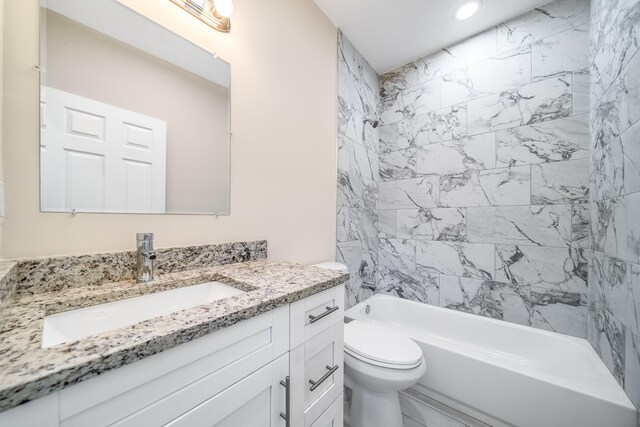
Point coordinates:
[[378, 362]]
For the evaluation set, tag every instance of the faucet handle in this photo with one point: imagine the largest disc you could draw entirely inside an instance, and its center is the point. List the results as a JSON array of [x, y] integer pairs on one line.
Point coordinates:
[[144, 236]]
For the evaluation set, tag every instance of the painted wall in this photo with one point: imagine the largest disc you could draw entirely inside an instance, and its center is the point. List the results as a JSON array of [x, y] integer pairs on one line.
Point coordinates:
[[614, 267], [196, 110], [283, 156], [484, 173], [358, 98]]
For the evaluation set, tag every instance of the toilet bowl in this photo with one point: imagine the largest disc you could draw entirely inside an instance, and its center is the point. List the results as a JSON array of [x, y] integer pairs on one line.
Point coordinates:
[[378, 363]]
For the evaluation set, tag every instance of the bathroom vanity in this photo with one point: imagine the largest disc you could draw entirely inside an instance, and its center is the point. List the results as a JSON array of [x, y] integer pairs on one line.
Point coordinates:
[[270, 354]]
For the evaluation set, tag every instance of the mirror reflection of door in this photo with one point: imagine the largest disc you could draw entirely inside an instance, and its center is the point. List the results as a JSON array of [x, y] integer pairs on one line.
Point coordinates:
[[99, 157]]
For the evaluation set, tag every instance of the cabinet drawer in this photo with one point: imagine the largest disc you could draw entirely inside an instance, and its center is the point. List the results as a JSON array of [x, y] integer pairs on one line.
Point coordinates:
[[161, 387], [333, 416], [316, 375], [256, 401], [312, 315]]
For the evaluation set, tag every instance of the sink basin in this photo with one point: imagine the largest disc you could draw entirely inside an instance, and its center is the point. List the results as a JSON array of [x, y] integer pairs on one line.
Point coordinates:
[[72, 325]]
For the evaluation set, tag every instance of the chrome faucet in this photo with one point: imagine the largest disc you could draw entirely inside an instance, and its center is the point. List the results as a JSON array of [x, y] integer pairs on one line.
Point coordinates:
[[145, 257]]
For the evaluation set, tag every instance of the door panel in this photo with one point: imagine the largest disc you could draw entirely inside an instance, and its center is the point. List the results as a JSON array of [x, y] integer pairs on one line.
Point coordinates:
[[98, 157]]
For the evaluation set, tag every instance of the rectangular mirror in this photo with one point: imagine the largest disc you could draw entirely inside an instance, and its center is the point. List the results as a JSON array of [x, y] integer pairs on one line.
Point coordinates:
[[133, 117]]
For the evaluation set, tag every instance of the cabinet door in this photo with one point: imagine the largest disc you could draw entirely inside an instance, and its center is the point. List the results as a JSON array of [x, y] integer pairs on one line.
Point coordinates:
[[333, 416], [316, 375], [256, 401]]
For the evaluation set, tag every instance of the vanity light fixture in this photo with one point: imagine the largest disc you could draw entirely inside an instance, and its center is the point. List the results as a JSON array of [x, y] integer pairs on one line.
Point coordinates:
[[467, 10], [214, 13]]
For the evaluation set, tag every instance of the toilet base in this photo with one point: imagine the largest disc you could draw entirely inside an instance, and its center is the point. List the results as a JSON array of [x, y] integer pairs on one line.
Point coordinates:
[[374, 409]]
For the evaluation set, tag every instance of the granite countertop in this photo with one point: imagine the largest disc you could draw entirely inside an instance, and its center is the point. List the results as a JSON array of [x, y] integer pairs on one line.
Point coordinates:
[[27, 371]]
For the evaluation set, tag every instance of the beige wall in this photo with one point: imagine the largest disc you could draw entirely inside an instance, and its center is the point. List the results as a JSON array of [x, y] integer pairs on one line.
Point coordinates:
[[2, 198], [86, 63], [283, 166]]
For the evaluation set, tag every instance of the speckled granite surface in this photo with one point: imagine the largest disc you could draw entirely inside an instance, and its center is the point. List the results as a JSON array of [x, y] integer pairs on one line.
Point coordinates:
[[51, 274], [27, 371]]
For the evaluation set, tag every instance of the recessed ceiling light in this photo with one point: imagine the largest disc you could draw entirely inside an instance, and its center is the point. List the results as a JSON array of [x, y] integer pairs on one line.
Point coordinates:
[[467, 10]]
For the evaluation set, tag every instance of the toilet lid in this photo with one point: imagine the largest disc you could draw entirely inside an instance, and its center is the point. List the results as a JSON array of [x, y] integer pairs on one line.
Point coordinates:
[[380, 344]]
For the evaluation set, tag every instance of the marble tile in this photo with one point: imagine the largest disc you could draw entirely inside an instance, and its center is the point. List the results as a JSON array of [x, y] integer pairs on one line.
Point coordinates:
[[560, 53], [344, 153], [396, 136], [457, 155], [581, 92], [560, 269], [607, 171], [387, 220], [397, 253], [423, 98], [398, 80], [460, 55], [494, 187], [461, 293], [609, 226], [409, 193], [432, 224], [560, 182], [580, 225], [538, 102], [356, 224], [614, 40], [630, 141], [559, 311], [357, 81], [493, 75], [350, 122], [506, 302], [350, 190], [350, 254], [546, 20], [632, 243], [486, 298], [414, 285], [607, 335], [370, 194], [397, 165], [363, 162], [610, 116], [632, 368], [440, 125], [456, 259], [391, 109], [563, 139], [548, 225]]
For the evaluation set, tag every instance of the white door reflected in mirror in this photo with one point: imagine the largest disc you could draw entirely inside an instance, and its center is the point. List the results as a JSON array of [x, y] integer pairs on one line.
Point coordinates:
[[134, 118]]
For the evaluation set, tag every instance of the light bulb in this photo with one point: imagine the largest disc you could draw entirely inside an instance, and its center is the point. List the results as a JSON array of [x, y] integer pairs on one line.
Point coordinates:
[[223, 7], [467, 10]]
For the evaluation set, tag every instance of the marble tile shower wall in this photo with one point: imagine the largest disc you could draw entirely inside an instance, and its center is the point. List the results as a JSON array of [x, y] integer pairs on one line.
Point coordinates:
[[358, 98], [614, 264], [484, 173]]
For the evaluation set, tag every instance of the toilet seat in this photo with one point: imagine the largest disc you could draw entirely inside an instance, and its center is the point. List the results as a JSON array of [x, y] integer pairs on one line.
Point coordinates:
[[380, 346]]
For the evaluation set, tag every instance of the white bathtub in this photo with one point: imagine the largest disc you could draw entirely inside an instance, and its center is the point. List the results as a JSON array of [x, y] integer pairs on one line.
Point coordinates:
[[505, 374]]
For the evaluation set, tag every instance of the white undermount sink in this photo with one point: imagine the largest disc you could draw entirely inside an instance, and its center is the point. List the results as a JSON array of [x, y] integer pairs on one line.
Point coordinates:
[[72, 325]]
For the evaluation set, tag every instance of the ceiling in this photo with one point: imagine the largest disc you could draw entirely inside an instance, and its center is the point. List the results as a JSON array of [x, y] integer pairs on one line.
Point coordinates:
[[391, 33]]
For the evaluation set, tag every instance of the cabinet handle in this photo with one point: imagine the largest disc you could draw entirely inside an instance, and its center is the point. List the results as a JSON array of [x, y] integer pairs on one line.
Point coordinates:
[[286, 416], [313, 319], [316, 384]]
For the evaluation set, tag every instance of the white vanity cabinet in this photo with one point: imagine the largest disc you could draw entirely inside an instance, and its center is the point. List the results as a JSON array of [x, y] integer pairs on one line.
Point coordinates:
[[236, 376]]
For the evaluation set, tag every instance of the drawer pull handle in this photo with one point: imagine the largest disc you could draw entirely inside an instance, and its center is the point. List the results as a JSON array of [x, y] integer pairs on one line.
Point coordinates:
[[313, 319], [316, 384], [286, 416]]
